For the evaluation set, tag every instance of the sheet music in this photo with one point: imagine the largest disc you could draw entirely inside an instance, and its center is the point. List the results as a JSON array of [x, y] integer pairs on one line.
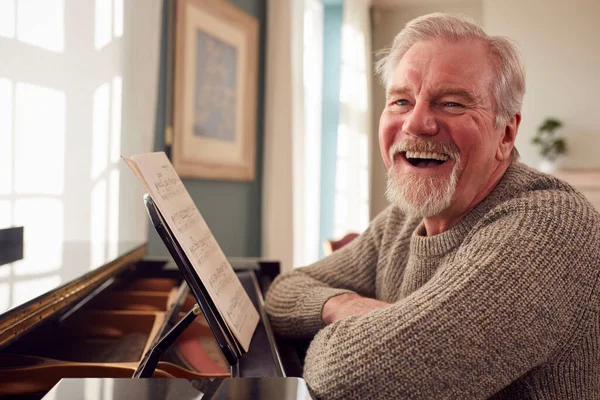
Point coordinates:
[[177, 207]]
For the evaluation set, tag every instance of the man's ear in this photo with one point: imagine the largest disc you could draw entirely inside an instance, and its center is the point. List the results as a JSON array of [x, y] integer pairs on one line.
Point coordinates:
[[507, 141]]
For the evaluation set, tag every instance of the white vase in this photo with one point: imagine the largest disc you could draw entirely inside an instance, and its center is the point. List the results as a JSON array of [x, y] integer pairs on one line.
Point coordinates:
[[547, 166]]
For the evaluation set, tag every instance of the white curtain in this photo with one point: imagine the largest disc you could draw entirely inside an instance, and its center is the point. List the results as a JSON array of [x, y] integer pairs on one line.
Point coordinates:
[[354, 131]]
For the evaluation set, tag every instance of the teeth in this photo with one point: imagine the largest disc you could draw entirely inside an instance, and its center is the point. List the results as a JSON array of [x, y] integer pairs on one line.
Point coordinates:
[[427, 155]]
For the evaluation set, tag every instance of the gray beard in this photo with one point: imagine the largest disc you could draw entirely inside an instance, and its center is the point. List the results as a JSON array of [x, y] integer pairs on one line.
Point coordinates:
[[423, 197]]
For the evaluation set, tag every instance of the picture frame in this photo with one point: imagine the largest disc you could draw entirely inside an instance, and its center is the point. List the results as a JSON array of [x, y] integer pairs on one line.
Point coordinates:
[[214, 101]]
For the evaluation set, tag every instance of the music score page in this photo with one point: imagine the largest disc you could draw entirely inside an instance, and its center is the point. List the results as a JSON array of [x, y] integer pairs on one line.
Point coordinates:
[[162, 182]]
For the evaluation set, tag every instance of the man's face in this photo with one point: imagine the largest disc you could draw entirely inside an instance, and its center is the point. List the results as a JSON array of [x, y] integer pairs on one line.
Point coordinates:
[[436, 134]]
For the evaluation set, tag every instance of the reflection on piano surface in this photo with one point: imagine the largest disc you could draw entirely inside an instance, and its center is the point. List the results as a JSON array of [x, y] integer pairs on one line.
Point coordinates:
[[101, 323]]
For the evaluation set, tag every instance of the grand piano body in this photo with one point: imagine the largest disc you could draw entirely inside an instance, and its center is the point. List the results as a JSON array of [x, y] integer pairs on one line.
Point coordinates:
[[102, 320]]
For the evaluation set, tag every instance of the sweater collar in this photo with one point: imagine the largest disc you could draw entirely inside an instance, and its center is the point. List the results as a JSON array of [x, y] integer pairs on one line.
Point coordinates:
[[512, 182]]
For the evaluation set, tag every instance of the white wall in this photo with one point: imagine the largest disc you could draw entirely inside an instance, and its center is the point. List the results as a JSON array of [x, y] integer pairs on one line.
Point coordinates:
[[387, 22], [560, 44], [78, 83], [283, 129]]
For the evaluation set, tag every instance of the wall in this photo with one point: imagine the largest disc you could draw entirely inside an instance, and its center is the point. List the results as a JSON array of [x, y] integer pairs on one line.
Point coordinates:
[[387, 22], [559, 43], [232, 210], [77, 90]]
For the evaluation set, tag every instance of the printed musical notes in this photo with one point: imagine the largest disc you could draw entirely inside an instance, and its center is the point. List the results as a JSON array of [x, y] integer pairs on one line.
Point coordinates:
[[167, 182], [185, 218], [163, 184]]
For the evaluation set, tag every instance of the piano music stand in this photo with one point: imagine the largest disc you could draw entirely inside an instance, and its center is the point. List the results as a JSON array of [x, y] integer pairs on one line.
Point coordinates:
[[223, 335]]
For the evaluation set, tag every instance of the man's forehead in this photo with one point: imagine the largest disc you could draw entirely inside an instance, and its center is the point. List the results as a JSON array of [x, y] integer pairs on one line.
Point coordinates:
[[443, 67]]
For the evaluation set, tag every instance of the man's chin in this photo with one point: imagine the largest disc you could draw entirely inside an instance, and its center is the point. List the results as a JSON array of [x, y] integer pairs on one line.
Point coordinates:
[[422, 197]]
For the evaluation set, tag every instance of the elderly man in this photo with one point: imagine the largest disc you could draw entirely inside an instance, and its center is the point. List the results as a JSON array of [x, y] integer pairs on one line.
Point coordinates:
[[481, 278]]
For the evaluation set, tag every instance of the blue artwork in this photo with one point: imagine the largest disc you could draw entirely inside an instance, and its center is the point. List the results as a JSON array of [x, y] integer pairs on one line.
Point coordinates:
[[214, 99]]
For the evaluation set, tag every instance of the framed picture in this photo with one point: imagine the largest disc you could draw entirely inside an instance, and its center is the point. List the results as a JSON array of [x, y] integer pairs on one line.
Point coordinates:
[[214, 104]]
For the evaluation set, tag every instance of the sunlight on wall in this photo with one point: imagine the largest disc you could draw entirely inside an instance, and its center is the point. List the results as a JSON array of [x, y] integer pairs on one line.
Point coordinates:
[[98, 222], [42, 23], [118, 21], [113, 212], [7, 18], [115, 135], [5, 216], [43, 234], [103, 25], [6, 111], [100, 128], [106, 151], [40, 115]]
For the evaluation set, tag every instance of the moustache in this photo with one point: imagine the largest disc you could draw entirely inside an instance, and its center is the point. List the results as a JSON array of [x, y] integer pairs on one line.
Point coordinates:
[[424, 145]]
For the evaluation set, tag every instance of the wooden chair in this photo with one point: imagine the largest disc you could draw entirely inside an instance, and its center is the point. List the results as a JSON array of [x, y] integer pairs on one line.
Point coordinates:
[[329, 246]]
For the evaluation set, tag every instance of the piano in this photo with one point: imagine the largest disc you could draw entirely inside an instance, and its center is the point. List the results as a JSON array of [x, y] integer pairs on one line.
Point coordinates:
[[98, 317]]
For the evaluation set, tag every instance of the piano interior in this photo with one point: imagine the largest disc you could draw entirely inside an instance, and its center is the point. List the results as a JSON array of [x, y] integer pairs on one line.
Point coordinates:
[[108, 334]]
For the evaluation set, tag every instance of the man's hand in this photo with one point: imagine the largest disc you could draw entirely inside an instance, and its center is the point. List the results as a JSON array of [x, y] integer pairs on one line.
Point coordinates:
[[348, 304]]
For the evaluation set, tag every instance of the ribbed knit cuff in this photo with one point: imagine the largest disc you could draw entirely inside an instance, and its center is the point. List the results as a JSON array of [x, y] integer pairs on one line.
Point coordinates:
[[312, 307]]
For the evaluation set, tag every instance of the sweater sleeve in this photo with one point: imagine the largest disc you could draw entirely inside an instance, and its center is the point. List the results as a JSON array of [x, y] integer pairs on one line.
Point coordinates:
[[511, 299], [295, 300]]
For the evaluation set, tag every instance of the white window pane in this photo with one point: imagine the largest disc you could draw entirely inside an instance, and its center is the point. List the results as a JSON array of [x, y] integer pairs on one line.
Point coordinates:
[[363, 147], [42, 23], [39, 139], [363, 185], [361, 90], [100, 126], [339, 232], [7, 18], [341, 176], [103, 23], [348, 45], [364, 216], [42, 219], [340, 209], [6, 133], [343, 141], [347, 85]]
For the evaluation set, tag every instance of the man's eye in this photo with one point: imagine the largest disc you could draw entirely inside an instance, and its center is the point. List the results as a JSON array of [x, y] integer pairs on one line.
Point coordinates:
[[401, 102], [452, 104]]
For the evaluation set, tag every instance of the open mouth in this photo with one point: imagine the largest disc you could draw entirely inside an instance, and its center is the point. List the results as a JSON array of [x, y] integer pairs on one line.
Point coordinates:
[[425, 159]]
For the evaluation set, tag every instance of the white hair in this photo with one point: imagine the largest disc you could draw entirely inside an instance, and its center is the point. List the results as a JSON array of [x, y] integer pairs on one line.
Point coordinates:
[[509, 85]]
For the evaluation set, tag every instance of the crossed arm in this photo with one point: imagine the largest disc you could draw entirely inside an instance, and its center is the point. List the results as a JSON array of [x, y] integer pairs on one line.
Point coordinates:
[[483, 320]]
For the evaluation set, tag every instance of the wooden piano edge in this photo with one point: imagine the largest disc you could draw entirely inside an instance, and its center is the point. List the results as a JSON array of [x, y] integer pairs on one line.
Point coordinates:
[[33, 313]]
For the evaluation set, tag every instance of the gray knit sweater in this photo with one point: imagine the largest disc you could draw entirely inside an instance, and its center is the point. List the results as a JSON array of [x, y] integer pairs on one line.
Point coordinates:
[[505, 304]]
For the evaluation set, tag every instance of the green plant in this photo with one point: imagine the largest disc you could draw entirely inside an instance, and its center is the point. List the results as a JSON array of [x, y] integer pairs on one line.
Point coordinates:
[[550, 143]]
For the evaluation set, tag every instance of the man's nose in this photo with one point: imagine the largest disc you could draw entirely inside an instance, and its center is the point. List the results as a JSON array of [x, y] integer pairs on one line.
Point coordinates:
[[420, 121]]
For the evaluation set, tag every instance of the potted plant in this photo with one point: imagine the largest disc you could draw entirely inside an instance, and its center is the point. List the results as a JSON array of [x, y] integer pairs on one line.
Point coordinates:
[[551, 145]]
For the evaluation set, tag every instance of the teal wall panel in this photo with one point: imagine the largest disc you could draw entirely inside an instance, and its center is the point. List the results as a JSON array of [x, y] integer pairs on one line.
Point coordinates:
[[232, 210], [332, 32]]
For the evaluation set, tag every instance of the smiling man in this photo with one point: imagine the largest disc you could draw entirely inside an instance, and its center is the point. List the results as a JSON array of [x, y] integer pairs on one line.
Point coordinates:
[[481, 278]]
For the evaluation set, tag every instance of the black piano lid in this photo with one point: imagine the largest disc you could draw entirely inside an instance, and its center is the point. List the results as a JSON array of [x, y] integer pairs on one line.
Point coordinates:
[[48, 280], [181, 389]]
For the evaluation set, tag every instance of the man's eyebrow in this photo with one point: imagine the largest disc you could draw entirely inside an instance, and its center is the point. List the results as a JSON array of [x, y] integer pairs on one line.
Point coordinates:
[[397, 90], [465, 94]]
